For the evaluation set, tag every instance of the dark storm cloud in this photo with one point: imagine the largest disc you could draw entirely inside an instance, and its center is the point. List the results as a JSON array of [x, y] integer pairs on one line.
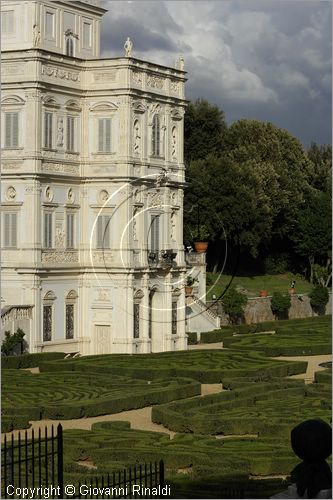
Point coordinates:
[[263, 59]]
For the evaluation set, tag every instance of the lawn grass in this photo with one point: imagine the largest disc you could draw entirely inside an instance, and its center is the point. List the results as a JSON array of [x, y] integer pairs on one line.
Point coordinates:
[[216, 284]]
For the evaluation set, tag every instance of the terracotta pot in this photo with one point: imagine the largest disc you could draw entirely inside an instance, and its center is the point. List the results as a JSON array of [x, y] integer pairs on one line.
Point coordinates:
[[291, 291], [263, 293], [200, 246], [188, 291]]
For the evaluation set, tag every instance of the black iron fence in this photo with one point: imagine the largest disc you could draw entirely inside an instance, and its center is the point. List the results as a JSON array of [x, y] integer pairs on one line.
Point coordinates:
[[32, 467], [30, 464], [142, 481]]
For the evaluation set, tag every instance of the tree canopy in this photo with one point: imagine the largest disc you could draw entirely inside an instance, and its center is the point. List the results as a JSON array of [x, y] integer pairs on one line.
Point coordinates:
[[256, 186]]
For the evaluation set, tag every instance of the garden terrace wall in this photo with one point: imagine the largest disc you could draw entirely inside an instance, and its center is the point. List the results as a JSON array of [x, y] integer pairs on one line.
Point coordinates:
[[258, 309]]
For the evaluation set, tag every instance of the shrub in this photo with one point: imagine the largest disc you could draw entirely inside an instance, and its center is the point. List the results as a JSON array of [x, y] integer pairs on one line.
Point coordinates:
[[318, 299], [280, 305], [29, 360], [234, 303], [12, 342]]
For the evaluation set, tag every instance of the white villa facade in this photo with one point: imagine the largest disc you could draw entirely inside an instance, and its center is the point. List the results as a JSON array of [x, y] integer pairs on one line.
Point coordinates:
[[92, 187]]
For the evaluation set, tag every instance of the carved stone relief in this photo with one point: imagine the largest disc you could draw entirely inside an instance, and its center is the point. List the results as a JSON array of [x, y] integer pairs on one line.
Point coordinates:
[[60, 168], [70, 196], [155, 82], [55, 72], [59, 256], [10, 193], [48, 194]]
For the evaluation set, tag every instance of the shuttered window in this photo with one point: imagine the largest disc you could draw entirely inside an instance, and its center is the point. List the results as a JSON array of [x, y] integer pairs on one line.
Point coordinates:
[[10, 230], [7, 22], [86, 35], [104, 135], [156, 136], [69, 46], [11, 130], [47, 230], [48, 130], [155, 233], [70, 231], [70, 133], [103, 231]]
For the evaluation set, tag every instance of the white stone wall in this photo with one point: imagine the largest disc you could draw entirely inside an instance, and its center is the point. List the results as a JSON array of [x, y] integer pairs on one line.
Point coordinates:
[[128, 183]]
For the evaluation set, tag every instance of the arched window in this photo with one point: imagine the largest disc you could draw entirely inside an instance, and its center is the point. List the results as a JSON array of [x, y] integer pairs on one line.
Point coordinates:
[[136, 313], [48, 314], [156, 136], [69, 46], [174, 311], [70, 313]]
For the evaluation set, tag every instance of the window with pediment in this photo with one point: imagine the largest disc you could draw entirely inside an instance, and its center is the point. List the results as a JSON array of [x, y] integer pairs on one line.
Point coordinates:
[[70, 313], [48, 315]]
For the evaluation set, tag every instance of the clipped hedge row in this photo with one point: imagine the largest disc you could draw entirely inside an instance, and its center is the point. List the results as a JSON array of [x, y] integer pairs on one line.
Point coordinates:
[[203, 366], [29, 360], [60, 396], [260, 408]]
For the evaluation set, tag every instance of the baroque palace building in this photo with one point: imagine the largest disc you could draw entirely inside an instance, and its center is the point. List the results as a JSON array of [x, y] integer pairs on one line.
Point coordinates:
[[92, 187]]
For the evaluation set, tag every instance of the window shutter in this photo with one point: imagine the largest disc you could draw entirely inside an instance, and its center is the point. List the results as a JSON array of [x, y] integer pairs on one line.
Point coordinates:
[[48, 122], [70, 133], [100, 231], [15, 130], [101, 134], [13, 230], [106, 241], [70, 231], [8, 129], [50, 130], [108, 135], [6, 229], [48, 230], [155, 233]]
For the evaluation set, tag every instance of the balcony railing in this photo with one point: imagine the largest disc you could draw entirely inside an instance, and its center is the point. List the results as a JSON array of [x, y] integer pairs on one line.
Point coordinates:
[[162, 258]]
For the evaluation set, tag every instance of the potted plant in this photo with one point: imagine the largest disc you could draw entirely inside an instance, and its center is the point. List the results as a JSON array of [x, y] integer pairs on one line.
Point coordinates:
[[263, 293], [200, 238], [189, 282]]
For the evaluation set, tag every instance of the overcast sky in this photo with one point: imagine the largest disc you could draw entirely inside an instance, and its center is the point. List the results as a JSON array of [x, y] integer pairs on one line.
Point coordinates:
[[263, 59]]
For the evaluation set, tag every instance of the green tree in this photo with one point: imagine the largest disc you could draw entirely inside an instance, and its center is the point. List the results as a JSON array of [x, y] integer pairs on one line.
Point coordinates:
[[234, 201], [312, 233], [234, 303], [268, 145], [204, 130], [321, 158], [318, 299], [280, 305], [10, 342]]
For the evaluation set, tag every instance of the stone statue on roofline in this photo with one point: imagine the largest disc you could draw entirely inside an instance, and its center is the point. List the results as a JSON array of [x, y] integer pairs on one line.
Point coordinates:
[[128, 47], [180, 63]]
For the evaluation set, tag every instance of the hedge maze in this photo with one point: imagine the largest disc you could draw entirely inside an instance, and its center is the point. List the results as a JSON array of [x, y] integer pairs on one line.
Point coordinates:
[[64, 395], [114, 446], [207, 367], [263, 408], [223, 438], [300, 337]]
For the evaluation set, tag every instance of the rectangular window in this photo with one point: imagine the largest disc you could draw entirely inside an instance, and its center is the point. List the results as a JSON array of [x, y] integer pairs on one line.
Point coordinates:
[[10, 230], [47, 230], [104, 135], [103, 231], [47, 323], [11, 130], [86, 35], [70, 231], [155, 233], [70, 133], [69, 321], [49, 24], [7, 22], [136, 325], [48, 130], [174, 318]]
